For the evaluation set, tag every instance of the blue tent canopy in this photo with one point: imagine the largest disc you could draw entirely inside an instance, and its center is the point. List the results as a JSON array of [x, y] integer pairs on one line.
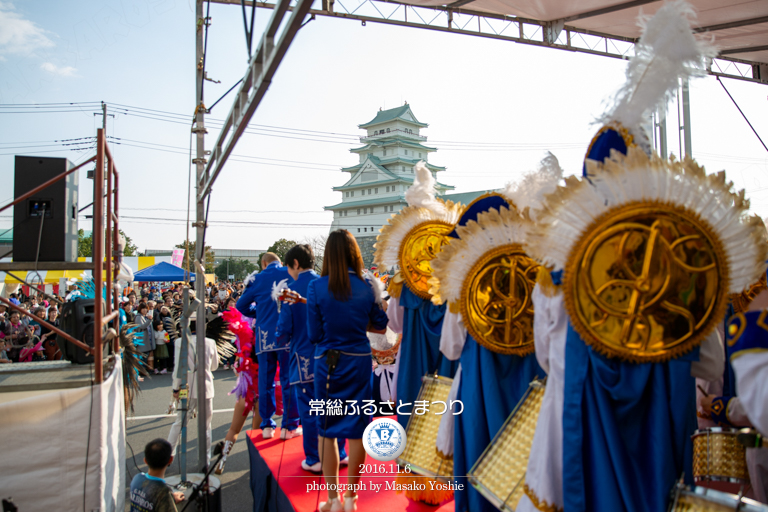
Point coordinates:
[[162, 271]]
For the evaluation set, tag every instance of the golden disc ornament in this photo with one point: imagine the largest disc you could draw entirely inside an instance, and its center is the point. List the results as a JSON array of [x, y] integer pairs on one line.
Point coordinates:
[[496, 301], [419, 247], [646, 282]]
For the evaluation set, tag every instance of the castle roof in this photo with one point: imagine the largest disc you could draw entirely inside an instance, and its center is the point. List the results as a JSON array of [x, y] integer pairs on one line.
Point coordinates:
[[400, 113]]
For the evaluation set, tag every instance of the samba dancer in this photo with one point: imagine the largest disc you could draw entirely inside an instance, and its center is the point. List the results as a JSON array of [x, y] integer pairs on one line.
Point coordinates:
[[491, 333], [407, 242], [256, 302], [292, 330]]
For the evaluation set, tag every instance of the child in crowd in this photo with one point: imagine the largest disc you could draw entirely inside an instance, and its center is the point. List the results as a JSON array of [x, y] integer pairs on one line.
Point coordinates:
[[161, 352], [3, 355], [149, 491]]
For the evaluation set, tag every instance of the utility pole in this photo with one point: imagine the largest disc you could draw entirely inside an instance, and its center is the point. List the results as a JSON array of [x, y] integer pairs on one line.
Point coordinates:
[[200, 161]]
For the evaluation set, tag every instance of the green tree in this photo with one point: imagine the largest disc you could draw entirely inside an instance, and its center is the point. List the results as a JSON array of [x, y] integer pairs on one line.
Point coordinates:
[[85, 244], [239, 268], [281, 247], [209, 257]]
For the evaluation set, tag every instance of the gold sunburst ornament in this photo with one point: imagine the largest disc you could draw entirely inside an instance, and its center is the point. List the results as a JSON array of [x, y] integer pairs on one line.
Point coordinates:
[[488, 275], [414, 236], [651, 249]]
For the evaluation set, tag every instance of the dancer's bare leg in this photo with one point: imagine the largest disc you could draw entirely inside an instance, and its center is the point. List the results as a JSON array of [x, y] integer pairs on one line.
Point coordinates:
[[238, 421], [329, 456], [356, 461]]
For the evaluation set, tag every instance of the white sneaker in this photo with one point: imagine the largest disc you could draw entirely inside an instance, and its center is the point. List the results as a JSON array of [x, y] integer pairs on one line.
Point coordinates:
[[290, 434], [317, 467], [163, 371], [267, 433], [344, 461]]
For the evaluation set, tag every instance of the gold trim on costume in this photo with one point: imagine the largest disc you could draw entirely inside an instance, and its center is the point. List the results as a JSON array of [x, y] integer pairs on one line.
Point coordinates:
[[748, 351], [539, 504], [490, 194], [646, 282], [741, 301], [733, 337], [546, 285], [496, 303], [419, 247]]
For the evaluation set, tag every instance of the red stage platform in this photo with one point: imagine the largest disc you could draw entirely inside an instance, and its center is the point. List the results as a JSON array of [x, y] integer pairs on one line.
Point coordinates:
[[290, 491]]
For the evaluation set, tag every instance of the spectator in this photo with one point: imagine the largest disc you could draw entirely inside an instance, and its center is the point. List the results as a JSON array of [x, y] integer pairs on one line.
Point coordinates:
[[132, 299], [127, 308], [161, 352], [34, 324], [147, 345], [48, 337], [169, 325], [17, 335], [3, 355], [148, 490], [14, 299]]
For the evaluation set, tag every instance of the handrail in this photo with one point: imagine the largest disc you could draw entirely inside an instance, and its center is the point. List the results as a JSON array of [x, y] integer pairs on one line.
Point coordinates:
[[55, 329]]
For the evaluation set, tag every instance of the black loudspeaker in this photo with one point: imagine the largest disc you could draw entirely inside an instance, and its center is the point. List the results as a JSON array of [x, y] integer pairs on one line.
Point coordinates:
[[55, 207], [76, 319]]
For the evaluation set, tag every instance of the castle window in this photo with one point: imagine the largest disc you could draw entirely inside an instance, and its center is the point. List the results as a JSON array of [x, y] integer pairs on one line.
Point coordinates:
[[358, 230], [391, 207], [376, 132], [352, 194], [365, 210], [376, 190], [369, 191], [387, 130], [371, 230], [387, 188], [406, 151], [362, 193], [419, 155], [385, 152], [365, 229], [358, 211]]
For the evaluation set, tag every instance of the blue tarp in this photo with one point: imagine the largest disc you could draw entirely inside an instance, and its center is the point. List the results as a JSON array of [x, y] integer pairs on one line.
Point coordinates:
[[162, 271]]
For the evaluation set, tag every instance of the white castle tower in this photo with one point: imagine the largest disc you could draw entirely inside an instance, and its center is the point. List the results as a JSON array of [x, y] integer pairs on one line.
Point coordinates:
[[375, 190]]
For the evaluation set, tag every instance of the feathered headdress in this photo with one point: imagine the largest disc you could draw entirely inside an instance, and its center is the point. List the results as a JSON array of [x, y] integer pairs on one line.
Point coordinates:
[[529, 194], [423, 206], [247, 369], [667, 51]]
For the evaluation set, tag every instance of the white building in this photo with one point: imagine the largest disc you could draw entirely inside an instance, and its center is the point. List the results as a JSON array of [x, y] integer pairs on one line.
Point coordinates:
[[375, 190]]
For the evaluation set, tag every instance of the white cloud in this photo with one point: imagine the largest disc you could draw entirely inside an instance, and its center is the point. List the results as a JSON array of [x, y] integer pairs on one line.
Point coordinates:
[[58, 70], [18, 35]]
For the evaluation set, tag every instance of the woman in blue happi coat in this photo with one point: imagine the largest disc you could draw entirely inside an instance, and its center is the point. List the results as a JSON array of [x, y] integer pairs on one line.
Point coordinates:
[[341, 307]]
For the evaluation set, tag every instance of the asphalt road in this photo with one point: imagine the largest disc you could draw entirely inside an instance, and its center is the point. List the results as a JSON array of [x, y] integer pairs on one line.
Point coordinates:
[[154, 400]]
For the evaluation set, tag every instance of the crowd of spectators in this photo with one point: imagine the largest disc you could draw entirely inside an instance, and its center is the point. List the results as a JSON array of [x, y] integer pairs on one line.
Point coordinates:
[[22, 337]]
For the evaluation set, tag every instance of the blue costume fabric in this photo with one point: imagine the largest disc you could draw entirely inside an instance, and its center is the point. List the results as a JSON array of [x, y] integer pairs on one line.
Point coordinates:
[[601, 149], [256, 302], [419, 350], [342, 325], [491, 386], [292, 329], [626, 430]]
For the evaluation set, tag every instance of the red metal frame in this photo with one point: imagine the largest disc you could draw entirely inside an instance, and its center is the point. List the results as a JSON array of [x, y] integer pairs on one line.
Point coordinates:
[[102, 233]]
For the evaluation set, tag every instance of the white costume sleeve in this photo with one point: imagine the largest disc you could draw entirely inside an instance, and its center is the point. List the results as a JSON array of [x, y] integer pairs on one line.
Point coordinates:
[[444, 441], [453, 335], [711, 363], [752, 382], [541, 322], [737, 414], [395, 313]]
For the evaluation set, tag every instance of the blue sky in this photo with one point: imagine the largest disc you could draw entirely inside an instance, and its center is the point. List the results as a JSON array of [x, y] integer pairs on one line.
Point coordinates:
[[139, 54]]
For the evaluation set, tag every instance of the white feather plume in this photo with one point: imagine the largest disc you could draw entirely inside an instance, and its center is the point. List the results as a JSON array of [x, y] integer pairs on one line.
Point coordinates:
[[494, 228], [376, 285], [535, 186], [423, 192], [667, 51], [277, 289], [248, 280], [567, 214]]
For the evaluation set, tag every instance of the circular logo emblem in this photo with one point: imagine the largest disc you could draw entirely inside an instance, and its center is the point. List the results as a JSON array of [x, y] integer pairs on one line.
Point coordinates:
[[384, 439]]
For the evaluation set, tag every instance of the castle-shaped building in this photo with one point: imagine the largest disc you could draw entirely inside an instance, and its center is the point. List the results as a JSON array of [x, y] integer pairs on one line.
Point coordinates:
[[375, 190]]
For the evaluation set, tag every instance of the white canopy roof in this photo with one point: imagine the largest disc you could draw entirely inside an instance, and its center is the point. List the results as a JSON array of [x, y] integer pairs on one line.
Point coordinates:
[[740, 27]]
